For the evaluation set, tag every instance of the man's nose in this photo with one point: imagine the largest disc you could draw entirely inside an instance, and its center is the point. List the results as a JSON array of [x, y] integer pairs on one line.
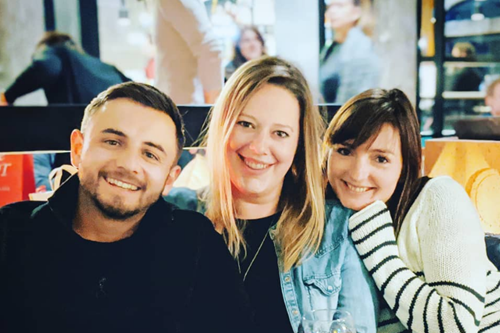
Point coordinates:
[[129, 160]]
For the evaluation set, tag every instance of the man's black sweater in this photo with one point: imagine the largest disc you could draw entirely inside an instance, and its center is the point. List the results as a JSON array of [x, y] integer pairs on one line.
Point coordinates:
[[174, 274]]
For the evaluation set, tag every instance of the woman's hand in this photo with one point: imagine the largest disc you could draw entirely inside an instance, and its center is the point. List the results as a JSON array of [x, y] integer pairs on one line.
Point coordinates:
[[3, 100]]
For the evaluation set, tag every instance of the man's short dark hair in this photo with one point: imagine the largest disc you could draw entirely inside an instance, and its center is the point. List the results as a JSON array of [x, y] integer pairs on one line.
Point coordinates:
[[143, 94]]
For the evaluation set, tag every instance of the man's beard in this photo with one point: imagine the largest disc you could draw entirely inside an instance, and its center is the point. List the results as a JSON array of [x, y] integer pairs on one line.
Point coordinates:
[[114, 210]]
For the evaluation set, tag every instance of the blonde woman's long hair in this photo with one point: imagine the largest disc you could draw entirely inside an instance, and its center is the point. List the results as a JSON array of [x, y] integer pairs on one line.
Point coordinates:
[[301, 224]]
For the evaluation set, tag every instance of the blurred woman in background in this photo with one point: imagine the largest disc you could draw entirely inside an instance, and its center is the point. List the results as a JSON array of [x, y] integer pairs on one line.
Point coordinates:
[[250, 45]]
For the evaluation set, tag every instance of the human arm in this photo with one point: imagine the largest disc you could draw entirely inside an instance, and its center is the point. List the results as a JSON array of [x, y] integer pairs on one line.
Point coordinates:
[[3, 100], [229, 70], [43, 71], [43, 165], [358, 294], [448, 294]]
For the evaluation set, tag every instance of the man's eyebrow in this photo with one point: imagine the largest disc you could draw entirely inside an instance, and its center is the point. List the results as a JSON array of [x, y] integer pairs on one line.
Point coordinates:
[[147, 143], [114, 131], [155, 145]]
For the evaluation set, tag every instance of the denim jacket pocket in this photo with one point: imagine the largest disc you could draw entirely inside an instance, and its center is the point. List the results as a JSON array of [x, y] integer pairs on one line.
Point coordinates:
[[321, 276], [327, 286]]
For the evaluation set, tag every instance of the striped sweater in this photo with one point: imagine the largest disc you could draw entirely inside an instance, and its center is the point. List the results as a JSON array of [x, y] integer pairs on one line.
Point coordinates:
[[436, 277]]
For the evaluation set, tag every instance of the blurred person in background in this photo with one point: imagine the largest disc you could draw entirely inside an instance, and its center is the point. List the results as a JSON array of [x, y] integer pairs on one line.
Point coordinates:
[[249, 45], [188, 54], [464, 78], [461, 77], [67, 75], [64, 71], [492, 98], [349, 65]]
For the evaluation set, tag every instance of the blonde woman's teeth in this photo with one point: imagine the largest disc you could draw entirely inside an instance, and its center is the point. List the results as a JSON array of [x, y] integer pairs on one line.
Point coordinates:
[[357, 189], [256, 165]]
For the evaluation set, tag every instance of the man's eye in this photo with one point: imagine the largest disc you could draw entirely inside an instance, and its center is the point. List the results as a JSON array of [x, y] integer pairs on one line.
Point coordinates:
[[245, 124], [282, 134], [151, 156], [112, 142], [343, 151]]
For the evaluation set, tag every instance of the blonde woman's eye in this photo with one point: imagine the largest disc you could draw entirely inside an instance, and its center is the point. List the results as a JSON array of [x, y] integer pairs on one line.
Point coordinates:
[[282, 134], [344, 151], [245, 124]]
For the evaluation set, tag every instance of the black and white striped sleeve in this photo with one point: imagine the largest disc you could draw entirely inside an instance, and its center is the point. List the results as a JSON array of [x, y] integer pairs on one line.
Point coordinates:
[[445, 240]]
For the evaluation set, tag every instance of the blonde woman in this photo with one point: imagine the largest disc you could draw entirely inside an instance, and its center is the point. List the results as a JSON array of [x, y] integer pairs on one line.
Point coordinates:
[[267, 199]]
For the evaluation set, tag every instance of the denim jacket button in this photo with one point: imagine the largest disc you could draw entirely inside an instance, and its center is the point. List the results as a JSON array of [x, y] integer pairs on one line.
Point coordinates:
[[287, 279], [295, 312], [330, 288]]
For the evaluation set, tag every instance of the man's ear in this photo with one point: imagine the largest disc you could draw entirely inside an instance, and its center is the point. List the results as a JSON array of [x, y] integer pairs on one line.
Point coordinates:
[[76, 147], [172, 176]]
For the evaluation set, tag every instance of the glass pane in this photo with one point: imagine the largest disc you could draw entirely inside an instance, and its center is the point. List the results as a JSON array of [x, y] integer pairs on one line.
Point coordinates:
[[427, 75], [483, 47], [472, 51], [469, 77]]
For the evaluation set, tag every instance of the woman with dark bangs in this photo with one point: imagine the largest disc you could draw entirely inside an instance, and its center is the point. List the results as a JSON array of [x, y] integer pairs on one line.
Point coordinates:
[[420, 238]]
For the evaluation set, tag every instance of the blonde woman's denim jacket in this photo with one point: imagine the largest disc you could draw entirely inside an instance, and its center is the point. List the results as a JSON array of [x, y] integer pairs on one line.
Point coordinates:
[[333, 278]]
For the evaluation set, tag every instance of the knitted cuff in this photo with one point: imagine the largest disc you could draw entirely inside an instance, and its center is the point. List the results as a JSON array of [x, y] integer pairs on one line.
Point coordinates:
[[372, 227]]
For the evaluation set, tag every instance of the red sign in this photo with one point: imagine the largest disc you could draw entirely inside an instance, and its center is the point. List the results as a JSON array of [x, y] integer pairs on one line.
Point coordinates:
[[17, 179]]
